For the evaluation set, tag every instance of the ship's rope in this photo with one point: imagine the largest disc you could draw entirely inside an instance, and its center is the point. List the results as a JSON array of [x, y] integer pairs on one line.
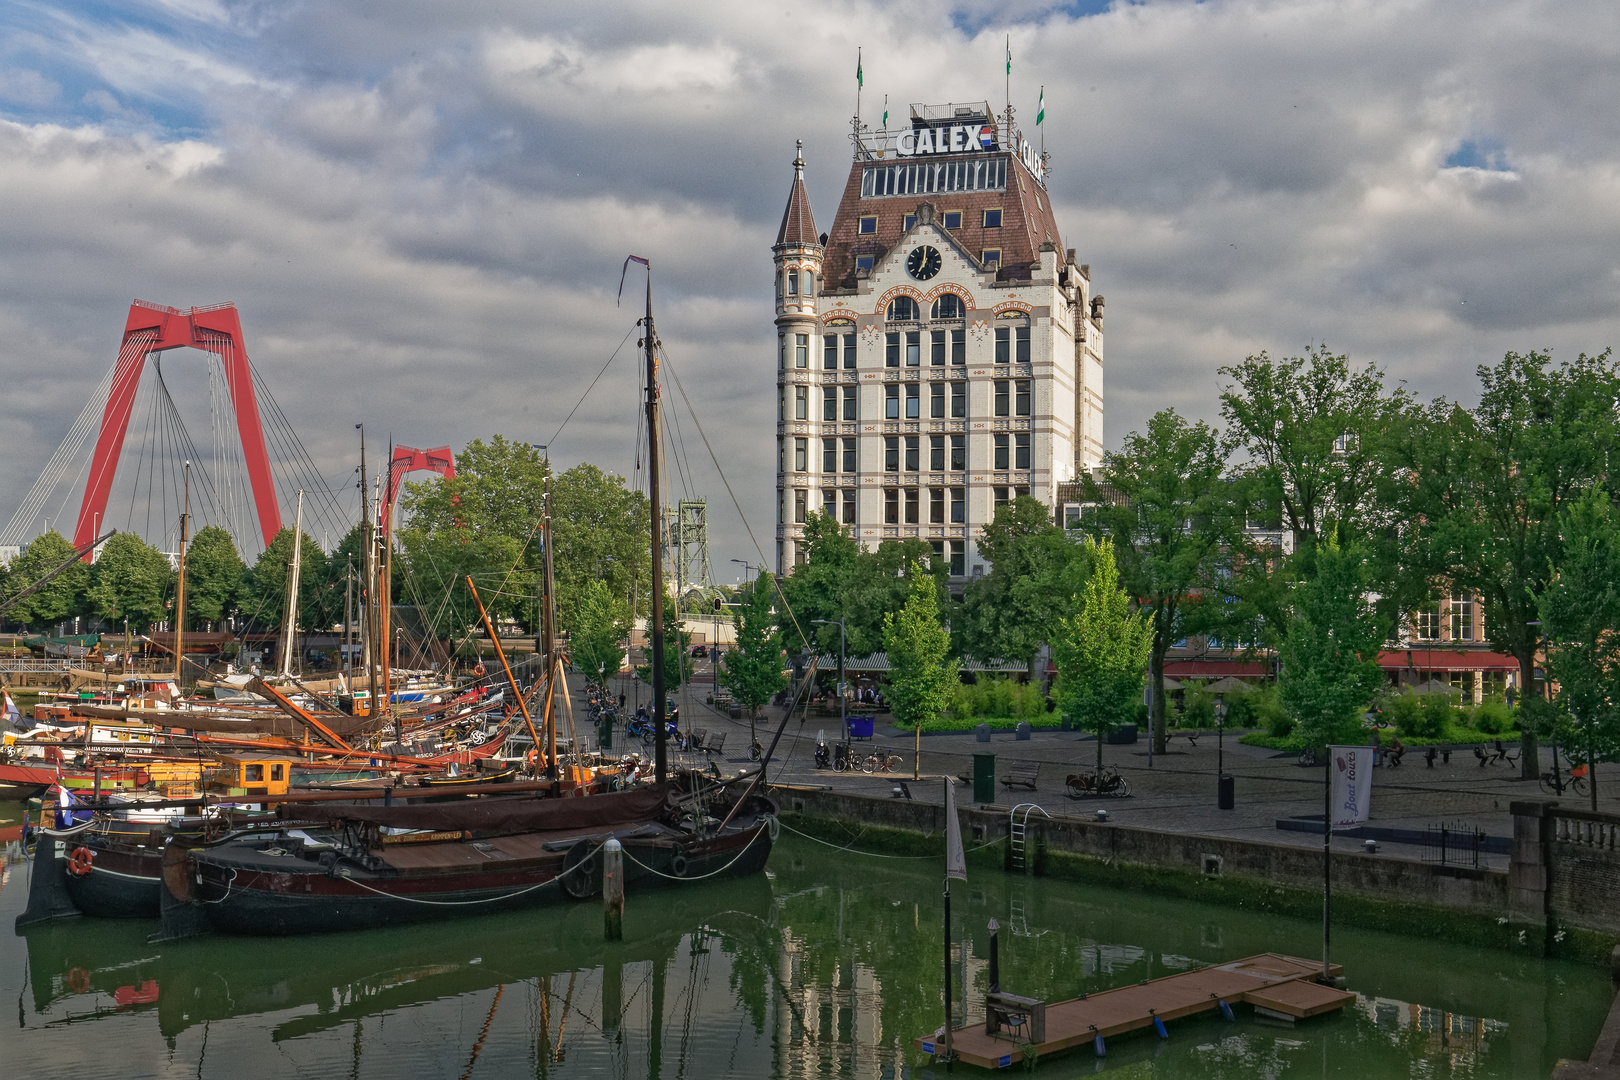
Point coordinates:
[[878, 855], [711, 873]]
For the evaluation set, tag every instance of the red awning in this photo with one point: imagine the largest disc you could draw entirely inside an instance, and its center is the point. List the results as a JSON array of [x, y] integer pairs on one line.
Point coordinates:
[[1420, 659], [1217, 669]]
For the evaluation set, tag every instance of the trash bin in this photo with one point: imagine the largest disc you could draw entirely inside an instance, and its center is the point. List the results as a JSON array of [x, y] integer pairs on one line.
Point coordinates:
[[1021, 732], [860, 727], [981, 733], [984, 778], [604, 732], [1226, 791]]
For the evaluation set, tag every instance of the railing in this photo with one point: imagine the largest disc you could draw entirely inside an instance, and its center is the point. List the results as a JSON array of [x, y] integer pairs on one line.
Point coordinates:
[[1456, 844], [9, 664], [1585, 829]]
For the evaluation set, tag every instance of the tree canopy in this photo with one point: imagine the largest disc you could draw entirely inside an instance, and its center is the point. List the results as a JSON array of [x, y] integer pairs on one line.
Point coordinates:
[[62, 597], [753, 670], [133, 581], [1101, 649], [921, 671]]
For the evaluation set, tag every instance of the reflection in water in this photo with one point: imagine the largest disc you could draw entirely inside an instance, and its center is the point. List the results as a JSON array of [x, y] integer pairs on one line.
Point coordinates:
[[828, 966]]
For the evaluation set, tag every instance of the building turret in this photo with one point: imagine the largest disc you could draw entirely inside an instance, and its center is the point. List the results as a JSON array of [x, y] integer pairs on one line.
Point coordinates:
[[798, 253]]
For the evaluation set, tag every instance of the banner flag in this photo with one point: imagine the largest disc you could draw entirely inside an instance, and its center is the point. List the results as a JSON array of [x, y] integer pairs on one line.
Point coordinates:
[[1351, 767], [955, 860]]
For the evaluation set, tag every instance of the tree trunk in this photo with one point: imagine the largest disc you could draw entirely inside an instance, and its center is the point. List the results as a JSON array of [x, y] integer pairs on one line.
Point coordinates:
[[1099, 748], [1529, 762]]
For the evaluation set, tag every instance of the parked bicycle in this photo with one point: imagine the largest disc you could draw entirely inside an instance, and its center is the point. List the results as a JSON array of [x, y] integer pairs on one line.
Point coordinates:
[[883, 761], [1570, 779], [1106, 781]]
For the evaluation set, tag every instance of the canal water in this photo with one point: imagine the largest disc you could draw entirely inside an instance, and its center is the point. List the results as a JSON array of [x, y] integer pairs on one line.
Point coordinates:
[[828, 965]]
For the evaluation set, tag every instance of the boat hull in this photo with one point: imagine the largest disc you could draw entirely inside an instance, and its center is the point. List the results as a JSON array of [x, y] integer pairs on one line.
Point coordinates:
[[123, 881]]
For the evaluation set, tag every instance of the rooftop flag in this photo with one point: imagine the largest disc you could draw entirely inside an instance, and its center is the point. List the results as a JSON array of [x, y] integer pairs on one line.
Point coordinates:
[[1009, 54], [1040, 110], [860, 77]]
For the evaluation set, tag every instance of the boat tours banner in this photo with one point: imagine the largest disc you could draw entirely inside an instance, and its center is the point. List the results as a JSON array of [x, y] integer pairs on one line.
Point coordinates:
[[1351, 767], [955, 860]]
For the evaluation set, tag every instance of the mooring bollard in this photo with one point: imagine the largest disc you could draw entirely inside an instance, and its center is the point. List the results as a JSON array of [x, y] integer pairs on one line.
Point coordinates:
[[995, 957], [613, 891]]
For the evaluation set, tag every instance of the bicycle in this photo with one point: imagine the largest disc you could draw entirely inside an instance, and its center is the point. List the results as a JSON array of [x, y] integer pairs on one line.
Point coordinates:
[[1307, 757], [1106, 781], [1571, 780], [881, 762]]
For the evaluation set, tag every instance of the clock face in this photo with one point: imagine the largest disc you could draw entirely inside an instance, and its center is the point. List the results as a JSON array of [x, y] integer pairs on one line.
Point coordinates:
[[923, 262]]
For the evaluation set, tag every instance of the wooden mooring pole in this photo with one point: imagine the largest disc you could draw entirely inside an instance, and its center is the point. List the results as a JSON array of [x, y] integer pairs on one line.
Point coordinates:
[[613, 891]]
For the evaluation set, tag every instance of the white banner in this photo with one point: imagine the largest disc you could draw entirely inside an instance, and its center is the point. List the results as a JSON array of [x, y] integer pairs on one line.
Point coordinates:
[[955, 860], [1351, 767]]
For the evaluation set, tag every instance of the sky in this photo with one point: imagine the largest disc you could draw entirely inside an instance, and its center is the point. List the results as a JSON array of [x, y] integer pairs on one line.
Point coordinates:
[[422, 209]]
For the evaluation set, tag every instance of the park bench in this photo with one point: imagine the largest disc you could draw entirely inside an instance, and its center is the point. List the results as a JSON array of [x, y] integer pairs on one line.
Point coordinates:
[[1190, 736], [1022, 775], [1010, 1011], [695, 737], [714, 744], [1495, 755]]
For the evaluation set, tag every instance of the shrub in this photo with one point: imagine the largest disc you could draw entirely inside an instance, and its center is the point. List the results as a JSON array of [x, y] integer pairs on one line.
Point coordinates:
[[1279, 725], [1493, 717], [1406, 711], [1438, 715]]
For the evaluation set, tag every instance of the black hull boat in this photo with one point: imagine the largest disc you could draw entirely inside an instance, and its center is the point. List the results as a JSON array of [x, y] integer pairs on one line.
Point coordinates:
[[352, 867]]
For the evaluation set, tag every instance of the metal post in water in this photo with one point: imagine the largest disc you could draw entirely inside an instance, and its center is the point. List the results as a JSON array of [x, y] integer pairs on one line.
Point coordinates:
[[1327, 853], [995, 957], [613, 891]]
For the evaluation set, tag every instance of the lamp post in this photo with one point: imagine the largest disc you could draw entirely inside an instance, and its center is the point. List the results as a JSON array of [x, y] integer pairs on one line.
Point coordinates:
[[747, 566], [1225, 794], [843, 702], [1546, 694]]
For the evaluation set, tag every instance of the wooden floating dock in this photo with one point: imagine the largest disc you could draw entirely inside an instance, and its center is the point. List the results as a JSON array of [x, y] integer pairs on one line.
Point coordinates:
[[1284, 986]]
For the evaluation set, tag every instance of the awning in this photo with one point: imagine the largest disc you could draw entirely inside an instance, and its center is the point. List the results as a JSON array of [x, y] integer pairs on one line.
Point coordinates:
[[1217, 669], [1421, 659]]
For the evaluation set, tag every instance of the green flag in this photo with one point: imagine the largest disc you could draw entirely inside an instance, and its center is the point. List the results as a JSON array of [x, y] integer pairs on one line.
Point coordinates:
[[860, 78], [1009, 54], [1040, 110], [885, 111]]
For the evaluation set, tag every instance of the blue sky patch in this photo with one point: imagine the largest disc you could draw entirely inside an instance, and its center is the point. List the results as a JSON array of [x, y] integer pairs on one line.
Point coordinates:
[[1478, 154]]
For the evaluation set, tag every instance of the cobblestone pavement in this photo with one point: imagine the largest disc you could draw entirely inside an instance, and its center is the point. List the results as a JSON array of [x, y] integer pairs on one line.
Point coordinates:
[[1176, 793]]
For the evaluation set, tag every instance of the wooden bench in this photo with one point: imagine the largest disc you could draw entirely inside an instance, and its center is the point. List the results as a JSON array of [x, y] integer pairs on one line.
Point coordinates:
[[695, 737], [1022, 775], [714, 744], [1002, 1010]]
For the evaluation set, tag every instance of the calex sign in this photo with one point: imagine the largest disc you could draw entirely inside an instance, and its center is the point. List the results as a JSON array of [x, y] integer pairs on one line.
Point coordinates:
[[946, 139]]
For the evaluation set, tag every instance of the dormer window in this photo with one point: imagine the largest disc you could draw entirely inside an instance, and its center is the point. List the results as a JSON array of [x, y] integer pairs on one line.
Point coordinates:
[[952, 219], [864, 262], [991, 257], [869, 225], [992, 219], [907, 222], [902, 309]]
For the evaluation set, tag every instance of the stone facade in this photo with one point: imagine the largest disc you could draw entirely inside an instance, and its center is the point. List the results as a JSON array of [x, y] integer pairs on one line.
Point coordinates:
[[939, 352]]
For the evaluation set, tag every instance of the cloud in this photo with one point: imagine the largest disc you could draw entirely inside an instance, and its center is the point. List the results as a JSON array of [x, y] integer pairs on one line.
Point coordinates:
[[422, 211]]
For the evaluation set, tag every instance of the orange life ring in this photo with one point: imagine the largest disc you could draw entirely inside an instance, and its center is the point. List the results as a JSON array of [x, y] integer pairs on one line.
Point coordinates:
[[79, 862], [478, 669]]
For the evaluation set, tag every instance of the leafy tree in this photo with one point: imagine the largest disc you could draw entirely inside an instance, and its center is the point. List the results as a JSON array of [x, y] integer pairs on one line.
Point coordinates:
[[677, 664], [1492, 486], [131, 580], [1172, 521], [599, 628], [922, 675], [1330, 671], [1009, 613], [603, 531], [1580, 611], [1101, 649], [752, 671], [214, 573], [62, 597], [265, 593]]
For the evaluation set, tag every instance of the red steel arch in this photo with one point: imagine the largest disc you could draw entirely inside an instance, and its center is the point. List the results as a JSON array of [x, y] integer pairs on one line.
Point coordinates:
[[154, 328], [408, 459]]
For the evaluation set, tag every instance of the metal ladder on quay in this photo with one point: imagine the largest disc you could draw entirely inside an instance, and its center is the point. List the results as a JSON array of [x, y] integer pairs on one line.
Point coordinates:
[[1017, 831]]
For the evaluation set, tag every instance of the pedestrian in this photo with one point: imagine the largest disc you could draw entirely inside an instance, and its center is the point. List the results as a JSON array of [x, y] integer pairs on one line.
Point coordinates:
[[621, 700]]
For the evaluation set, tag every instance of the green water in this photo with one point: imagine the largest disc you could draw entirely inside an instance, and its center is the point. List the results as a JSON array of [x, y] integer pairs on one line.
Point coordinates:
[[826, 966]]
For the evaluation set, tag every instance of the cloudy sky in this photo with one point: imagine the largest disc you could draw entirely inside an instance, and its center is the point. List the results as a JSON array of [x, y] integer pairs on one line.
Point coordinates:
[[422, 208]]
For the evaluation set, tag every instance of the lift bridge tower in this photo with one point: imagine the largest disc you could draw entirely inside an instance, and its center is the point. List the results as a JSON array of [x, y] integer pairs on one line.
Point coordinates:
[[689, 545]]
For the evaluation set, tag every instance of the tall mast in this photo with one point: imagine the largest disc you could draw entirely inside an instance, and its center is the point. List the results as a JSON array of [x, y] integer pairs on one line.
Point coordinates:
[[385, 589], [548, 629], [290, 624], [180, 591], [656, 617], [369, 593]]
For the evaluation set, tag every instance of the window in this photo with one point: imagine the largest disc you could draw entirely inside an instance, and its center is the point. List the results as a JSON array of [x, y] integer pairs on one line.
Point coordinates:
[[949, 306], [793, 282], [936, 506], [936, 453], [911, 453], [801, 350], [965, 174], [1021, 340], [958, 506], [891, 506], [864, 262], [829, 455], [1003, 344], [1000, 401], [891, 350], [1021, 492], [907, 221], [801, 403], [779, 284], [849, 455], [829, 352], [913, 402], [911, 506], [992, 219], [952, 219], [936, 400], [809, 282], [891, 402], [829, 503], [1021, 451], [958, 400], [1000, 497], [801, 455], [849, 352], [1002, 455], [958, 453], [891, 453], [990, 257], [869, 225], [936, 348], [914, 348], [849, 507], [829, 403], [1428, 622], [801, 505], [1021, 397], [958, 553], [902, 309], [958, 347], [852, 397], [1462, 617]]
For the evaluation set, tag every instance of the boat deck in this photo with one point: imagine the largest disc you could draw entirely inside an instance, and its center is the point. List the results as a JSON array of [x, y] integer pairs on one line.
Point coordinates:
[[1284, 985]]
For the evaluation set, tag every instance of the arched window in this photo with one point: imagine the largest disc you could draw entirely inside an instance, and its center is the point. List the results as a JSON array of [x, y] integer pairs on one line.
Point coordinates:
[[809, 283], [903, 309], [949, 306]]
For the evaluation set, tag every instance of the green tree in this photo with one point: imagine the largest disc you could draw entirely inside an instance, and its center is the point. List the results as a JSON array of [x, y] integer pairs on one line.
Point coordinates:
[[265, 593], [677, 664], [1491, 487], [62, 597], [131, 580], [752, 671], [599, 629], [922, 674], [1172, 522], [1034, 567], [1329, 656], [1101, 650], [214, 573]]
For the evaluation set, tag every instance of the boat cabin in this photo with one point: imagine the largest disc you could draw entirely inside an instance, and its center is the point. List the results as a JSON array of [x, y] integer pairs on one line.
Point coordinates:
[[254, 774]]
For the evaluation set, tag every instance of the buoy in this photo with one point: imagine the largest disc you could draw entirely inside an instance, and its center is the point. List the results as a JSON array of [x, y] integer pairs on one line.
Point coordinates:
[[1226, 1010], [1158, 1025]]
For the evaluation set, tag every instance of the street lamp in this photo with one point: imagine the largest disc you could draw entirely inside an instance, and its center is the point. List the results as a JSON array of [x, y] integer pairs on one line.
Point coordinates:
[[1224, 794], [843, 702], [747, 566]]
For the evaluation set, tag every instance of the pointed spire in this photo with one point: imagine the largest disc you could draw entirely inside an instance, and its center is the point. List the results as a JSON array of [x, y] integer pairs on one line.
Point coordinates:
[[798, 223]]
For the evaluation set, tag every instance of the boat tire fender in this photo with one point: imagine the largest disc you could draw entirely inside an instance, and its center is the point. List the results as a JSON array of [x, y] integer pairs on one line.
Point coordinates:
[[581, 875], [80, 861], [678, 865]]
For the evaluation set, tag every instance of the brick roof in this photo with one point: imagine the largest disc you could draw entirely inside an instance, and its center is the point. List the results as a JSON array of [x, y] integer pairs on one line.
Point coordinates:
[[798, 223]]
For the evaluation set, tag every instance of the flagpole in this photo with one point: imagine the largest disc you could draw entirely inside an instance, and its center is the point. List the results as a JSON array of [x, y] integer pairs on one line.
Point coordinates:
[[1007, 88], [860, 81], [1327, 851], [948, 1056]]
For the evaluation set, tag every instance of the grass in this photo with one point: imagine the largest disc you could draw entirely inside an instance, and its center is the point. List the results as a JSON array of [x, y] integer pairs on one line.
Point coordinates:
[[1454, 733], [1049, 722]]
